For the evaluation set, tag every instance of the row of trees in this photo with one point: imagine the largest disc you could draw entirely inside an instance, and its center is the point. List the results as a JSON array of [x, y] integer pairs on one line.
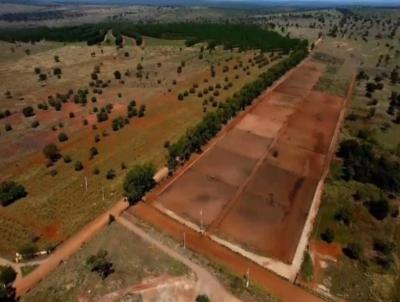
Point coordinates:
[[212, 122], [228, 35]]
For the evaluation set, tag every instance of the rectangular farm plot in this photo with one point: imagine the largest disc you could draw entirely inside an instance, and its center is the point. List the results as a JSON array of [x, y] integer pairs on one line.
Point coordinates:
[[300, 82], [245, 143], [225, 166], [196, 192], [266, 223], [285, 100], [313, 126], [254, 224], [280, 186], [297, 160], [265, 120]]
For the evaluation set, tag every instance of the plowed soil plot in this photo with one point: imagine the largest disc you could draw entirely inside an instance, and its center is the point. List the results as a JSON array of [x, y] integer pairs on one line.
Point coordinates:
[[255, 186], [268, 216]]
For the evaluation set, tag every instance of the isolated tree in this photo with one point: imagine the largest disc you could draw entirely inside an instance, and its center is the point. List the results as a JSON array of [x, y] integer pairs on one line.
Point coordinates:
[[93, 152], [110, 174], [100, 264], [11, 191], [57, 71], [328, 235], [138, 181], [67, 159], [117, 75], [353, 251], [62, 137], [78, 166], [51, 152], [28, 111], [202, 298]]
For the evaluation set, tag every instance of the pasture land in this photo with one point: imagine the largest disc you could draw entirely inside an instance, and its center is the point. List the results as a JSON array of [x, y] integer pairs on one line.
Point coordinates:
[[59, 203]]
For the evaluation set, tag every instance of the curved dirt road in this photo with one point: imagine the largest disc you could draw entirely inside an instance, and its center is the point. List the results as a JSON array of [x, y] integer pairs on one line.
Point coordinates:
[[206, 282]]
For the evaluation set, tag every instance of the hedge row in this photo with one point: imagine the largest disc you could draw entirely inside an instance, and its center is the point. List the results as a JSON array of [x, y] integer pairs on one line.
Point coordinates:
[[212, 122]]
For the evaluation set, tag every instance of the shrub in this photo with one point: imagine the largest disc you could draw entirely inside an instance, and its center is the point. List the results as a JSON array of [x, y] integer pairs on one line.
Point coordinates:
[[93, 152], [35, 124], [96, 171], [62, 137], [102, 116], [353, 251], [78, 166], [117, 75], [118, 123], [8, 127], [11, 191], [328, 235], [202, 298], [138, 181], [110, 174], [28, 111], [307, 269], [67, 159], [378, 208], [51, 152], [100, 264]]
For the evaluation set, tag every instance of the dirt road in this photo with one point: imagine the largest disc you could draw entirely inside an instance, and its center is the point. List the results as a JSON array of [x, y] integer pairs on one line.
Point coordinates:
[[206, 282], [215, 252], [68, 248]]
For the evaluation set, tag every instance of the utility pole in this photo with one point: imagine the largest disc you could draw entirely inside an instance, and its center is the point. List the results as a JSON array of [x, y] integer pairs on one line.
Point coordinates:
[[102, 191], [184, 240], [86, 184], [248, 277], [201, 219]]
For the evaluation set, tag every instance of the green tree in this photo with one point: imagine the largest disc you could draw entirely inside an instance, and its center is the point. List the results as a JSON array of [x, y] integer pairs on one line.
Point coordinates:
[[51, 152], [7, 275], [62, 137], [28, 111], [138, 181], [100, 264], [202, 298], [78, 166], [11, 191]]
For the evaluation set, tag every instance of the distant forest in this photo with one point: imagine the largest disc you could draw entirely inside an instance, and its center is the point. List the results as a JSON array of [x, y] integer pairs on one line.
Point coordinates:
[[230, 36]]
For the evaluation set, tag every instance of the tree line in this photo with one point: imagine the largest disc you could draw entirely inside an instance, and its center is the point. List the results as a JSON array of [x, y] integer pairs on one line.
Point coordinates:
[[212, 122], [228, 35]]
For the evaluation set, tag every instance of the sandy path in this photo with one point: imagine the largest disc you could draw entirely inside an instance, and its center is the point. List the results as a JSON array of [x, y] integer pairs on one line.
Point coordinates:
[[68, 248], [222, 255], [206, 282]]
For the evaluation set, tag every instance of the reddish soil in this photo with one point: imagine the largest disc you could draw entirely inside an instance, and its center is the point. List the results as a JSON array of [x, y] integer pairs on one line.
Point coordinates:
[[258, 196], [215, 252], [206, 195]]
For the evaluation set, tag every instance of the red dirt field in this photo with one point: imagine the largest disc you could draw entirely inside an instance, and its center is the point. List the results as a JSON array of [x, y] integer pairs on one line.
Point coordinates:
[[223, 256], [255, 185]]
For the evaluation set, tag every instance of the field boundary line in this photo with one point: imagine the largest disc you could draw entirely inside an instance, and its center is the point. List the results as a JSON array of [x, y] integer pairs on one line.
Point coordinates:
[[315, 205], [230, 125]]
